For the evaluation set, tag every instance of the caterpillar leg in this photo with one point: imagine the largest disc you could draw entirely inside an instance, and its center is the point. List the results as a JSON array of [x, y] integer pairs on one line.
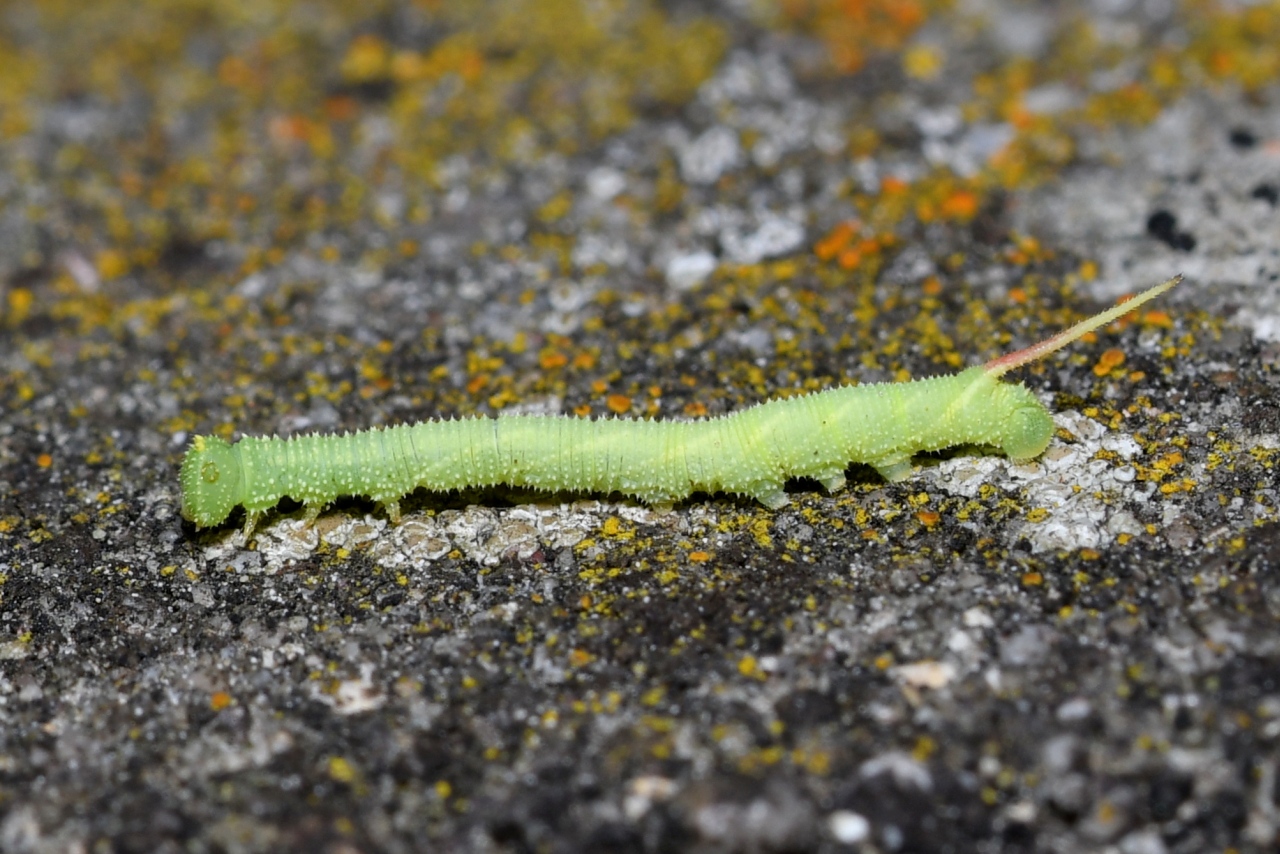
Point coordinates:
[[251, 520], [832, 479], [770, 495], [662, 502], [894, 468], [393, 511], [311, 512]]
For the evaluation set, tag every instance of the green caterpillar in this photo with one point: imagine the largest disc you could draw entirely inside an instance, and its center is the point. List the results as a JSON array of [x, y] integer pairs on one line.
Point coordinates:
[[751, 452]]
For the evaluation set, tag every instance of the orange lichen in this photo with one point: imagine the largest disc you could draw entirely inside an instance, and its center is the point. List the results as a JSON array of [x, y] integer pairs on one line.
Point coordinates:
[[1108, 362], [835, 240], [551, 359], [695, 409], [892, 186], [960, 205], [854, 30]]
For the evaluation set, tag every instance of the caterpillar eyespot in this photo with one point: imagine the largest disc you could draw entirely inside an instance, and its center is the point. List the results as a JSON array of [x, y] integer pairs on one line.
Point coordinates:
[[753, 451]]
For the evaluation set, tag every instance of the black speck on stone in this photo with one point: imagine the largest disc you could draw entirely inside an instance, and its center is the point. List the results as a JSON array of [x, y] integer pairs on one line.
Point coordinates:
[[1242, 138], [614, 837], [1163, 226], [1166, 794], [1266, 192], [1229, 809], [806, 708], [1017, 837]]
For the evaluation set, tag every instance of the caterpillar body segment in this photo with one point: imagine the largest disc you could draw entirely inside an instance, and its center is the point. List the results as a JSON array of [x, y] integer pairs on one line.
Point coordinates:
[[751, 452]]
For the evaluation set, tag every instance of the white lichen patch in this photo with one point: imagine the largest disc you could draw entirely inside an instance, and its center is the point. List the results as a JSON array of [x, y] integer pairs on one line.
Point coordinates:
[[483, 535], [926, 674], [1075, 498], [351, 696]]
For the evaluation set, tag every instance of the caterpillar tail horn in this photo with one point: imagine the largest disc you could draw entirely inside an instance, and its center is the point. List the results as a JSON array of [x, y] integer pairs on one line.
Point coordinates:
[[1003, 364]]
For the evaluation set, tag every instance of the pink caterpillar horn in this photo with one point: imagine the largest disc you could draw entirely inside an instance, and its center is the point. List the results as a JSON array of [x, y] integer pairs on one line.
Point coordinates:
[[1003, 364]]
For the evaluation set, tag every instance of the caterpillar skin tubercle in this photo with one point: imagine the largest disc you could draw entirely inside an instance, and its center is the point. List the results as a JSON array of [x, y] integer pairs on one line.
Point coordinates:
[[752, 452]]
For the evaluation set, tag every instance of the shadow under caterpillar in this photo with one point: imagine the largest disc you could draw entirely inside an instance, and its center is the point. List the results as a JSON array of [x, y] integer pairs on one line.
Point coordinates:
[[753, 451]]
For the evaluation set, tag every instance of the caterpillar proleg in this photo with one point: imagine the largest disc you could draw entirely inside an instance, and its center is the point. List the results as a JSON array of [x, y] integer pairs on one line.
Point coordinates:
[[750, 452]]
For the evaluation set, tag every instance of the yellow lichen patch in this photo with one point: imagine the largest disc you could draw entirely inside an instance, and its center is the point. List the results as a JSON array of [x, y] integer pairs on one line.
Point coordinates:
[[760, 532], [1236, 43], [1175, 486], [367, 59], [20, 301], [342, 770], [112, 263], [923, 62], [1133, 103], [616, 529]]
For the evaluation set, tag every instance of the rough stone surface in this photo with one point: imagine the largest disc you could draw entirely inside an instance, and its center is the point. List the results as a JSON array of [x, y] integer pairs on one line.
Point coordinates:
[[217, 219]]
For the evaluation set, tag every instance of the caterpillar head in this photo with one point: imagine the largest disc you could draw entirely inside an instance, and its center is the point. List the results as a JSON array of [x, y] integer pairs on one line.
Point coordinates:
[[211, 481], [1028, 425], [1027, 428]]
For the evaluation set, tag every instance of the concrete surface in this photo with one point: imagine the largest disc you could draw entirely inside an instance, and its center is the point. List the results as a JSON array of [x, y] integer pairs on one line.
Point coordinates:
[[282, 217]]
